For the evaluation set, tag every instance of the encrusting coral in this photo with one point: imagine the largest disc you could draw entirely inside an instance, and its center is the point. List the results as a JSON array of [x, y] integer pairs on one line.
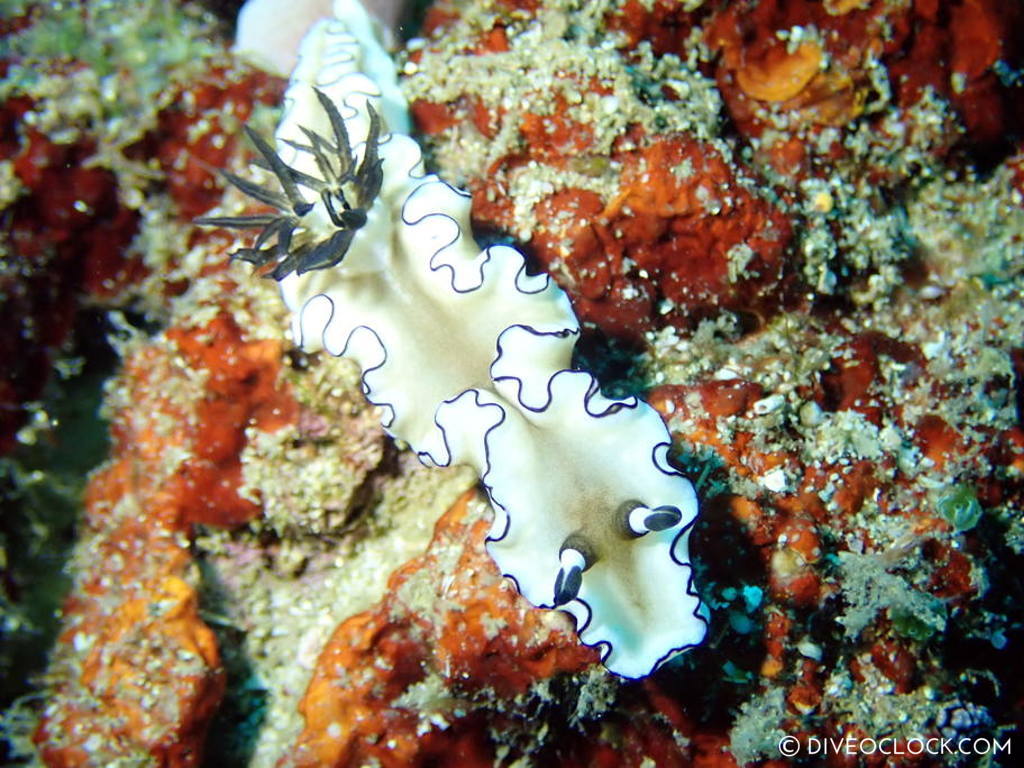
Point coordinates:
[[822, 296], [470, 356]]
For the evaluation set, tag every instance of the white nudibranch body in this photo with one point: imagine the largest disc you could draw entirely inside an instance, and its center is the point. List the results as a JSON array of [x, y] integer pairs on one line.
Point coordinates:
[[470, 358]]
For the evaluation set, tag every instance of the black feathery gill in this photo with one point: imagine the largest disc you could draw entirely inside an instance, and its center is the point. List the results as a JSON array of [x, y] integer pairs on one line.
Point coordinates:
[[336, 166]]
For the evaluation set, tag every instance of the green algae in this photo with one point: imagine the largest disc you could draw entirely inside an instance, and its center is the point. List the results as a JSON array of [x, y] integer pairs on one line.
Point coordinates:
[[960, 507], [104, 66], [869, 587]]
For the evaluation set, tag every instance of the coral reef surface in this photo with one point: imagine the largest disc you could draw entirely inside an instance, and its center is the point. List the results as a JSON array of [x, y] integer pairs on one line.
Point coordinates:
[[796, 228]]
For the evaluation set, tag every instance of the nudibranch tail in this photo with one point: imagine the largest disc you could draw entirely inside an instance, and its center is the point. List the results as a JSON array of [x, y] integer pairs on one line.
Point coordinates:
[[469, 356]]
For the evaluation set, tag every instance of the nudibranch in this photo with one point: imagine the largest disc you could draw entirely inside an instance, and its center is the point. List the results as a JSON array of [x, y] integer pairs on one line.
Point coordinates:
[[469, 355]]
